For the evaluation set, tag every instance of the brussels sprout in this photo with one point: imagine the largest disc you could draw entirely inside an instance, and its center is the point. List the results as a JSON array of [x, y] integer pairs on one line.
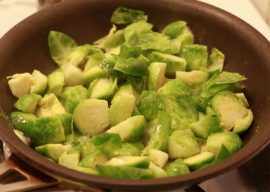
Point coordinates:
[[230, 110], [230, 140], [77, 56], [156, 76], [93, 73], [111, 40], [123, 15], [177, 167], [243, 98], [46, 130], [72, 96], [39, 83], [86, 170], [128, 51], [216, 60], [192, 77], [196, 56], [70, 159], [67, 122], [124, 172], [151, 41], [102, 88], [243, 124], [158, 157], [109, 143], [131, 149], [92, 159], [122, 105], [132, 129], [22, 137], [53, 151], [160, 134], [61, 45], [182, 144], [72, 75], [131, 66], [28, 103], [157, 171], [91, 116], [174, 88], [186, 37], [133, 30], [222, 81], [199, 161], [174, 29], [20, 84], [149, 104], [139, 83], [94, 60], [205, 126], [49, 105], [56, 82], [129, 161], [22, 121], [174, 63]]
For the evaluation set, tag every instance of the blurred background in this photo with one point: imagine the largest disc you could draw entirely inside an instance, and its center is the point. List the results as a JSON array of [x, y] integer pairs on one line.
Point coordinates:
[[254, 12]]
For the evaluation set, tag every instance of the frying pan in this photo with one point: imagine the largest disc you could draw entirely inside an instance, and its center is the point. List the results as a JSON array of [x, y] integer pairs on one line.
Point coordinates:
[[25, 48]]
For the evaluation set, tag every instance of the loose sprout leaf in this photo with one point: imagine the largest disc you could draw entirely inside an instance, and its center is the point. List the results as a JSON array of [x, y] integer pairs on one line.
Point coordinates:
[[137, 82], [128, 51], [174, 29], [149, 104], [221, 81], [60, 46], [133, 30], [216, 60], [123, 15], [131, 66]]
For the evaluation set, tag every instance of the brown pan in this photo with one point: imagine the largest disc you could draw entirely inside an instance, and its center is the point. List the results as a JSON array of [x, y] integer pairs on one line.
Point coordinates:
[[24, 48]]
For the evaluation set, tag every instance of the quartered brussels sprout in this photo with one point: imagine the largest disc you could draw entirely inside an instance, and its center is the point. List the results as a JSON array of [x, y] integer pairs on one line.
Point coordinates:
[[136, 104]]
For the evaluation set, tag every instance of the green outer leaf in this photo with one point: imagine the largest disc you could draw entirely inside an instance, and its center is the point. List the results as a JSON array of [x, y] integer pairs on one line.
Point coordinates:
[[123, 15], [60, 46], [174, 29], [131, 66]]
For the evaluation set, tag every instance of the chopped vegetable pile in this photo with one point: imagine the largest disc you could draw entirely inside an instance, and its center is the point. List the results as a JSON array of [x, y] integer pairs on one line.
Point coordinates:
[[134, 104]]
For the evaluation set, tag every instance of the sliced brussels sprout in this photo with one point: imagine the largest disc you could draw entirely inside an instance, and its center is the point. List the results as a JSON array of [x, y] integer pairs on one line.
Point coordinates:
[[156, 77], [243, 98], [20, 84], [93, 73], [72, 75], [86, 170], [243, 124], [22, 121], [149, 104], [56, 82], [122, 106], [67, 122], [39, 83], [53, 151], [216, 60], [205, 126], [70, 160], [230, 140], [123, 15], [108, 143], [91, 116], [174, 29], [129, 161], [72, 96], [198, 161], [22, 137], [131, 149], [230, 109], [158, 157], [174, 88], [195, 55], [28, 103], [124, 172], [132, 129], [103, 88], [174, 63], [46, 130], [157, 171], [176, 167], [192, 77], [61, 45], [186, 37], [183, 144], [49, 105], [91, 160], [160, 133]]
